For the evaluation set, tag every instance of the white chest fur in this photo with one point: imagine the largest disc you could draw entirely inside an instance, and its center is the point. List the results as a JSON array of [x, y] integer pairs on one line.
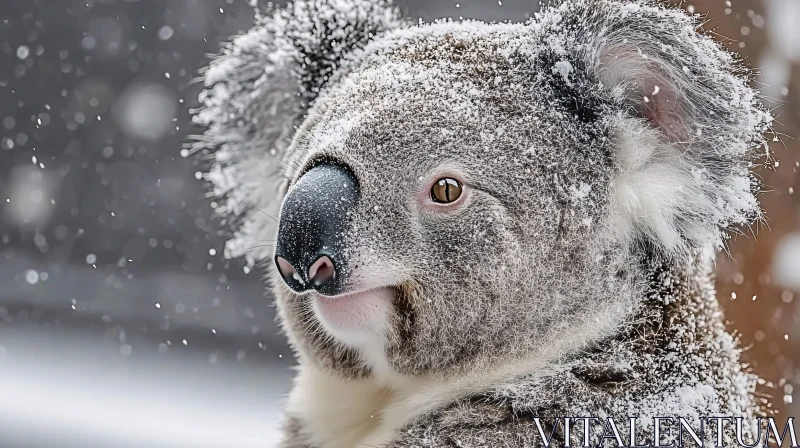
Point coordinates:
[[338, 413]]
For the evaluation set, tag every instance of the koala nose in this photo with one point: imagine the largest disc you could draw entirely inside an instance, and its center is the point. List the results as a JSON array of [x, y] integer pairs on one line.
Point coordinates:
[[314, 216]]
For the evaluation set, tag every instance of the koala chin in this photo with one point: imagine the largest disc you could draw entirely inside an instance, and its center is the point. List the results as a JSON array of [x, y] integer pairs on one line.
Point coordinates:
[[477, 224]]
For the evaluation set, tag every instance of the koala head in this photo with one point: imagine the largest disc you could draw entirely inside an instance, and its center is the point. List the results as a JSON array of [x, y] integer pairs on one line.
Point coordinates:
[[455, 197]]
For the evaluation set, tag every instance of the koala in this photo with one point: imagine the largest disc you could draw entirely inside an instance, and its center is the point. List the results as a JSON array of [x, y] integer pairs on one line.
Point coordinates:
[[470, 228]]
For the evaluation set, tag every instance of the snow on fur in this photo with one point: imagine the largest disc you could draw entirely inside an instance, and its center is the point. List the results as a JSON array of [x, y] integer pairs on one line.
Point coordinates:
[[684, 183], [683, 173], [640, 136], [689, 123]]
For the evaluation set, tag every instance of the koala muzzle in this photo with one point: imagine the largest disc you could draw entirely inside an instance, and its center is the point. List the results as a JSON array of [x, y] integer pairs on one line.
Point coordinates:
[[314, 216]]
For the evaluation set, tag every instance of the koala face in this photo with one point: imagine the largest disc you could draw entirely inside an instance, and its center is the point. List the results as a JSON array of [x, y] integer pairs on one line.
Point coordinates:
[[459, 197], [439, 282]]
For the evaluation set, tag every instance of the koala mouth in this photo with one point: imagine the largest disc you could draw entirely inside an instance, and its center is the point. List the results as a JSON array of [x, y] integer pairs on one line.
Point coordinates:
[[356, 317]]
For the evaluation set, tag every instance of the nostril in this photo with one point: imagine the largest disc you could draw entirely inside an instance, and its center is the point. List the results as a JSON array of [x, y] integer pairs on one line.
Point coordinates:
[[321, 271], [285, 268]]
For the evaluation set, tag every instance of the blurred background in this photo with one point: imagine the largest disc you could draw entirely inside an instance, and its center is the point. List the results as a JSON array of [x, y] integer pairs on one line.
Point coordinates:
[[120, 322]]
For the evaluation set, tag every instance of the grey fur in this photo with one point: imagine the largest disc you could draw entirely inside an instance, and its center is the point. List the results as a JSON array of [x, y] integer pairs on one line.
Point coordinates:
[[659, 365], [547, 259]]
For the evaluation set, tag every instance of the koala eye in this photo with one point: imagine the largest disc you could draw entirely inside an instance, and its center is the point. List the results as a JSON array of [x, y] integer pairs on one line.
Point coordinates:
[[446, 190]]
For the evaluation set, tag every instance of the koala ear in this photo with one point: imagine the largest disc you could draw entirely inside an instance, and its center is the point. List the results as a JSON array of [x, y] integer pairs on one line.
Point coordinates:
[[684, 121], [259, 89]]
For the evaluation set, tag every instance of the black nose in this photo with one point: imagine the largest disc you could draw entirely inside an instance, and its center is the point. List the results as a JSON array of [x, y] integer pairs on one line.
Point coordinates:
[[314, 217]]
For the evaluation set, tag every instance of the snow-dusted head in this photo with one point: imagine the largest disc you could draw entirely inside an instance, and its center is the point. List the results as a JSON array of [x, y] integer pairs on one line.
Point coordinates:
[[457, 196]]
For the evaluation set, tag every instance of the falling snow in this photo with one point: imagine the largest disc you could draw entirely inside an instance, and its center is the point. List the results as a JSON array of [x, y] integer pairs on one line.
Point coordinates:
[[106, 235]]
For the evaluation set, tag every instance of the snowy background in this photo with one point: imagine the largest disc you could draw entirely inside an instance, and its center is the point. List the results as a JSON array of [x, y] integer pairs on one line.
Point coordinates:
[[120, 322]]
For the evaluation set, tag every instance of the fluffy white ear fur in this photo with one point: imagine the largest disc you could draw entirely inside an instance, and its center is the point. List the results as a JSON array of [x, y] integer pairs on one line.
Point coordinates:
[[656, 189], [686, 131]]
